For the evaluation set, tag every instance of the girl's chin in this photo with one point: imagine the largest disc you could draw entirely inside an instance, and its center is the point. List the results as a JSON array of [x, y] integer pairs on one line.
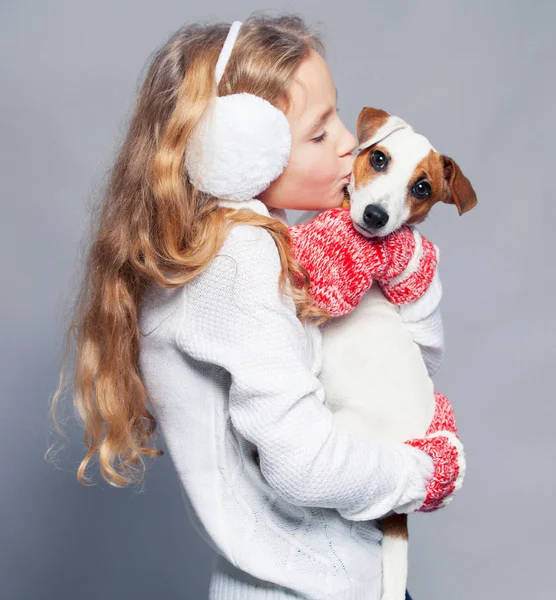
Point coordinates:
[[334, 200], [340, 198]]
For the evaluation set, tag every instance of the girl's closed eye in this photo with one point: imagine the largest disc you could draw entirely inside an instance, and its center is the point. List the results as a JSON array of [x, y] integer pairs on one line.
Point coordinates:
[[320, 138]]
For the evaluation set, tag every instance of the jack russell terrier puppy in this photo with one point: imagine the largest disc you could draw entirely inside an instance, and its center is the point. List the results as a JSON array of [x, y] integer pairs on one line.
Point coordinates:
[[375, 379]]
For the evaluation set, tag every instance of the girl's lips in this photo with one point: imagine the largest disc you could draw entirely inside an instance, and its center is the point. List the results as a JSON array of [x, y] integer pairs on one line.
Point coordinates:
[[347, 177]]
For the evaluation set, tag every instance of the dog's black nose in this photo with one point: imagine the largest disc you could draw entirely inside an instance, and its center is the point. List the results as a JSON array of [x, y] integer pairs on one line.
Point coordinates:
[[375, 216]]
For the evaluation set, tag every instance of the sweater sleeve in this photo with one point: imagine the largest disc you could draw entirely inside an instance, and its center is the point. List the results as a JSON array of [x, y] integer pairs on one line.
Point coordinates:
[[237, 318], [423, 319]]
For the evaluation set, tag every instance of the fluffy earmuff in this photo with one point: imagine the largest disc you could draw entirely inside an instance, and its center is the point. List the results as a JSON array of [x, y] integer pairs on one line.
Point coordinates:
[[241, 144]]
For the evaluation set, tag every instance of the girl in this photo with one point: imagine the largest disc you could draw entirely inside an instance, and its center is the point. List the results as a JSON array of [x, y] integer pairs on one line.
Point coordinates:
[[199, 308]]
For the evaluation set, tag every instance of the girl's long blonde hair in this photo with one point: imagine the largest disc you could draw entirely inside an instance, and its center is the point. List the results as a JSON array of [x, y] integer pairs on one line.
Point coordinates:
[[153, 227]]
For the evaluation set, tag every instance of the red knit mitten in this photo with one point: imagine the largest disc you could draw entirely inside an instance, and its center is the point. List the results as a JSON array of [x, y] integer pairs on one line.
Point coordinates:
[[443, 445], [415, 280], [342, 262], [444, 418]]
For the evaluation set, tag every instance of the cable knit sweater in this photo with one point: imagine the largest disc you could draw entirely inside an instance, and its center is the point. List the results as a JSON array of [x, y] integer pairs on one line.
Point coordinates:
[[227, 364]]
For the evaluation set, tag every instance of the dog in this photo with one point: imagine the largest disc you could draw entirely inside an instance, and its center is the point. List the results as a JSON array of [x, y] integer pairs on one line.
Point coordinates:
[[375, 379]]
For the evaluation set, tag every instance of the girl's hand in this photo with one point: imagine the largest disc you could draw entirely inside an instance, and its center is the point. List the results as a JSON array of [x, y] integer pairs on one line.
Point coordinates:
[[342, 262], [443, 445], [444, 418]]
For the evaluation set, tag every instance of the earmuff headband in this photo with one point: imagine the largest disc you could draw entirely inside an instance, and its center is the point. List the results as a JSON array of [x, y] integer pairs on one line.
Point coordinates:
[[226, 51], [242, 143]]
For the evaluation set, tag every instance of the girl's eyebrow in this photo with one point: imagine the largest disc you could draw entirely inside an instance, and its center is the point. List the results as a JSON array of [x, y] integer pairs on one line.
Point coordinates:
[[318, 123]]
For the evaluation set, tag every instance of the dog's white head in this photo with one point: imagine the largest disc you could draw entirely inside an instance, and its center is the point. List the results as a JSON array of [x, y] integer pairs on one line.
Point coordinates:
[[398, 175]]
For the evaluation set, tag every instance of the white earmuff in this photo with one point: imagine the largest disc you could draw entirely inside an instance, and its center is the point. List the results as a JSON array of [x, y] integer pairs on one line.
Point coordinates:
[[242, 143]]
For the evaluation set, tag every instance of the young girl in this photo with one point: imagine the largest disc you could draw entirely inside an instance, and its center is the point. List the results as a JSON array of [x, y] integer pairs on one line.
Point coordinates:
[[200, 309]]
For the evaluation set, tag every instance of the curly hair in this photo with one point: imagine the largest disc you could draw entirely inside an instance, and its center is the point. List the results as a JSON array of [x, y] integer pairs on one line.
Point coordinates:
[[153, 227]]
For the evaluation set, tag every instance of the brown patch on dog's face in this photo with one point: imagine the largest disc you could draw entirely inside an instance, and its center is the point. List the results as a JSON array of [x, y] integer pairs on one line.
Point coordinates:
[[369, 121], [446, 182], [428, 177], [366, 167]]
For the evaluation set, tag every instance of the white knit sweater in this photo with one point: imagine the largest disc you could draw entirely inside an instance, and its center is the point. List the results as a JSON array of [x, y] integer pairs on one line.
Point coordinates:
[[227, 364]]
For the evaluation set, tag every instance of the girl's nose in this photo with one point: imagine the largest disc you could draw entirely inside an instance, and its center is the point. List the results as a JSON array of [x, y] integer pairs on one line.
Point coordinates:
[[353, 141], [350, 142]]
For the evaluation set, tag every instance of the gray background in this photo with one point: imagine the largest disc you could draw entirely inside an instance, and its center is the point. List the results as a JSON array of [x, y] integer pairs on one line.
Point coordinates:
[[477, 78]]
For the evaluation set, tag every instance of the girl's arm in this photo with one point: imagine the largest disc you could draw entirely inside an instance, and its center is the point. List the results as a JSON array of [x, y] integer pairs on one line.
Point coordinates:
[[239, 320], [423, 319], [342, 264]]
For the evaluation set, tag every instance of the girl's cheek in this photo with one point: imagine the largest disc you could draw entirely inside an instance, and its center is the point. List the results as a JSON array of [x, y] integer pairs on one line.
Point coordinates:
[[314, 174], [305, 166], [315, 164]]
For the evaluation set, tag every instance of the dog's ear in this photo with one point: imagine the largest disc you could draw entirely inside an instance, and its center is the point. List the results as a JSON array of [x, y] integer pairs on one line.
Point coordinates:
[[369, 122], [461, 192], [374, 124]]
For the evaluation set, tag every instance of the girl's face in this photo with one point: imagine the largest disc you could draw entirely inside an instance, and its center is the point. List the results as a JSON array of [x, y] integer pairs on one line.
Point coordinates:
[[321, 154]]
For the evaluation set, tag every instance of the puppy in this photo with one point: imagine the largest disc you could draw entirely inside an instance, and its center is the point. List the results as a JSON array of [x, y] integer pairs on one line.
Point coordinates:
[[375, 379]]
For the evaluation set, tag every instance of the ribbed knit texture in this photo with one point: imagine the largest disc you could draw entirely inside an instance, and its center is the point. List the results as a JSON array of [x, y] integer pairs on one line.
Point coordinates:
[[423, 319], [228, 583], [410, 284], [343, 265], [227, 364], [443, 444], [418, 304]]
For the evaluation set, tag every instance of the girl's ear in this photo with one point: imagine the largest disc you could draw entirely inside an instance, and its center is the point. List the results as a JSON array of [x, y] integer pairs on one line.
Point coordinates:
[[461, 192]]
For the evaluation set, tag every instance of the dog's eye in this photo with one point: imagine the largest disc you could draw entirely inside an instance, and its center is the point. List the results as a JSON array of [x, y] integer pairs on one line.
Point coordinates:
[[379, 160], [422, 189]]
